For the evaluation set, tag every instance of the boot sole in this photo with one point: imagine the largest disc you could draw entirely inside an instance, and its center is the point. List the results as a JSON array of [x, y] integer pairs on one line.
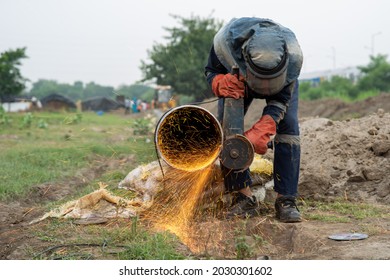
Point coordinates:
[[291, 220]]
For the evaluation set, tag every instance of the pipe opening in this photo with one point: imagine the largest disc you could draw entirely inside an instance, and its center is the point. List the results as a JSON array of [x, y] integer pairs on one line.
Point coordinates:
[[189, 138]]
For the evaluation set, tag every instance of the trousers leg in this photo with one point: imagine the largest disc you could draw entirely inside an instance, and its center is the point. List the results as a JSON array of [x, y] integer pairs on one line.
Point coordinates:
[[287, 150]]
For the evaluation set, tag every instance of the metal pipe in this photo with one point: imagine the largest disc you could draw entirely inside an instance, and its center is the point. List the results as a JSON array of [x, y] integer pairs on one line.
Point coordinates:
[[188, 138]]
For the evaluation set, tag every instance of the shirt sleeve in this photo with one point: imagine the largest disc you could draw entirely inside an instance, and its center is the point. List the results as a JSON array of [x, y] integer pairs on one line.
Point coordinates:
[[213, 67], [277, 105]]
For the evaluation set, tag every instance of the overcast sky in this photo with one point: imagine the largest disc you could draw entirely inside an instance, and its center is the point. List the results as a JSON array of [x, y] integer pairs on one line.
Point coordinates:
[[105, 40]]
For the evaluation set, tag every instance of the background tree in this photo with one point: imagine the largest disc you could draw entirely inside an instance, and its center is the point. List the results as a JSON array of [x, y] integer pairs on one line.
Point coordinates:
[[376, 75], [137, 91], [11, 80], [180, 62], [77, 91], [94, 90], [336, 87], [43, 87]]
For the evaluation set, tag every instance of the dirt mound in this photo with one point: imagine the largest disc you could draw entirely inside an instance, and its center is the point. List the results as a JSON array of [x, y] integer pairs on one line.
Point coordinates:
[[347, 159]]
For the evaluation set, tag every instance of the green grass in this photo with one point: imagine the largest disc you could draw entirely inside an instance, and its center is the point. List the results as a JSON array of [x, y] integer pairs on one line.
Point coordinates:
[[26, 166], [33, 155], [342, 211], [156, 246], [342, 96], [329, 218], [121, 240]]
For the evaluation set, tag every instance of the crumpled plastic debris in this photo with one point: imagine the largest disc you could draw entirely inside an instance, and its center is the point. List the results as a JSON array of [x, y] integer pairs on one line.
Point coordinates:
[[100, 203]]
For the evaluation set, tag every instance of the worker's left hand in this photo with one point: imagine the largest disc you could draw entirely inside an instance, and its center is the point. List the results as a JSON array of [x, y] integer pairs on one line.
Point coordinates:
[[228, 86], [260, 134]]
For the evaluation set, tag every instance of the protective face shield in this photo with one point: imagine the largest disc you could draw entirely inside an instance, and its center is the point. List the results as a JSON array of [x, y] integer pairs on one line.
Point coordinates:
[[266, 59]]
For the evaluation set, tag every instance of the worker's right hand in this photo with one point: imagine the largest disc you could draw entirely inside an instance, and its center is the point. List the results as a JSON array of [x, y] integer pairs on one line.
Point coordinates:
[[228, 86]]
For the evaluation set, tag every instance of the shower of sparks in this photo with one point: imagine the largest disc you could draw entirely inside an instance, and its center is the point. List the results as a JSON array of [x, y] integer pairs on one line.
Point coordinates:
[[180, 202], [188, 139]]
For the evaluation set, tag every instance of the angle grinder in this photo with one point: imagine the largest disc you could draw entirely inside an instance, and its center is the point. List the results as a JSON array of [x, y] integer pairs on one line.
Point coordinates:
[[237, 151]]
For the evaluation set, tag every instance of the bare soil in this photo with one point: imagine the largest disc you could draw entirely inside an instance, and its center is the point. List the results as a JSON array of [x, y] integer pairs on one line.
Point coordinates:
[[345, 155]]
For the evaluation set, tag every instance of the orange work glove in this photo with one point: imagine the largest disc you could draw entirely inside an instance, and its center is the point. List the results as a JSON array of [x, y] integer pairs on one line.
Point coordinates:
[[228, 86], [259, 134]]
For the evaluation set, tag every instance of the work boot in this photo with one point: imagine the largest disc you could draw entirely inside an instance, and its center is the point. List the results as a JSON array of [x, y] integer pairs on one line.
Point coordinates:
[[286, 209], [243, 207]]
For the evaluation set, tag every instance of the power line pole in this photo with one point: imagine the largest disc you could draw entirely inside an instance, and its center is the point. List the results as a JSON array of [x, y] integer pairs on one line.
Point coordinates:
[[334, 57], [373, 42]]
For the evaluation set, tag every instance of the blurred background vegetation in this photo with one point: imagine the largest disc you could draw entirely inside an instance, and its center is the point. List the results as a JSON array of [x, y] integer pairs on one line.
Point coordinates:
[[375, 79]]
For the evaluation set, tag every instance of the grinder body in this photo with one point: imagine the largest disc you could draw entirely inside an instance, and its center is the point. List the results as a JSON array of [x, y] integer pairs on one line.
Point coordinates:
[[237, 152]]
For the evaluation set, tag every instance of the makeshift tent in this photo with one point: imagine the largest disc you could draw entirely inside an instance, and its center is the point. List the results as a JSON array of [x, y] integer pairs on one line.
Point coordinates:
[[100, 104], [56, 101]]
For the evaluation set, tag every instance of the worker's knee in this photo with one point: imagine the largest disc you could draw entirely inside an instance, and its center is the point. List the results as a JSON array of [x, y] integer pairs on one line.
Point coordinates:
[[289, 125], [288, 139]]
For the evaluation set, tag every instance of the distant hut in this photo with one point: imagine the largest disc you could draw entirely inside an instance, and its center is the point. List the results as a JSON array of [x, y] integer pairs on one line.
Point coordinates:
[[104, 104], [57, 102], [12, 103]]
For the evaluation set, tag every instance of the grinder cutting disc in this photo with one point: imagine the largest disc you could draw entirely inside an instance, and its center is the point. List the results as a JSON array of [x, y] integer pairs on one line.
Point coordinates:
[[237, 152], [348, 236]]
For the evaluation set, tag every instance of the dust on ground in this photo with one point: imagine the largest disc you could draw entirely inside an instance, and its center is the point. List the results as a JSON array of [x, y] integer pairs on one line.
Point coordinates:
[[342, 158]]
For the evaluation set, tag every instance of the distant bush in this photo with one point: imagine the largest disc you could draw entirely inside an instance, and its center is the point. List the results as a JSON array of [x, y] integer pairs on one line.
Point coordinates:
[[4, 118], [337, 88], [376, 79]]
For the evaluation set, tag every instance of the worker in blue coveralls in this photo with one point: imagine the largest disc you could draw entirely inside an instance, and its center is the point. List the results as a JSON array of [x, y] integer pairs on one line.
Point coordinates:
[[269, 59]]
